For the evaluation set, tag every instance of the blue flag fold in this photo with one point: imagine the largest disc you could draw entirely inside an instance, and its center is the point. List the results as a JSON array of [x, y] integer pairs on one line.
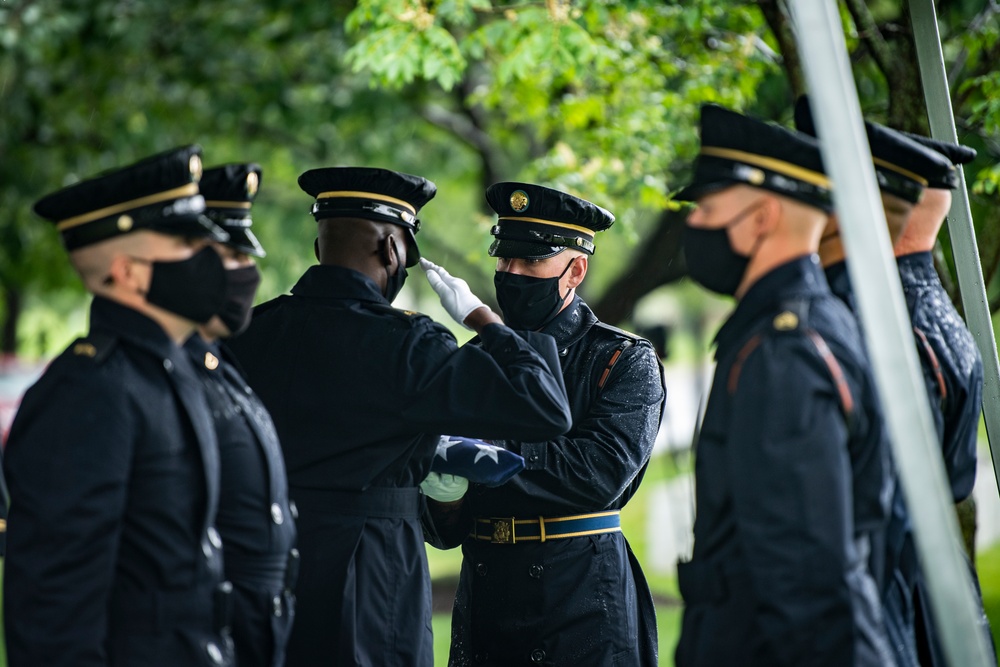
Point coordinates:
[[476, 460]]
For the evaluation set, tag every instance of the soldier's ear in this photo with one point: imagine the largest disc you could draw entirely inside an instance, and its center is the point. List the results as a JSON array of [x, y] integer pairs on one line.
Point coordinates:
[[578, 271], [390, 253], [767, 215]]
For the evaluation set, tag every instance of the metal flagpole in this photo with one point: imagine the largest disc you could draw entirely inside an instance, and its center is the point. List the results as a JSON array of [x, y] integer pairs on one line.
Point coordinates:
[[963, 235], [834, 102]]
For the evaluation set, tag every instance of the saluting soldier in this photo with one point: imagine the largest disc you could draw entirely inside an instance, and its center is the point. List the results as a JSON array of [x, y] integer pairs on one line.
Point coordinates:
[[360, 393], [903, 169], [954, 368], [113, 556], [547, 575], [791, 467], [255, 519]]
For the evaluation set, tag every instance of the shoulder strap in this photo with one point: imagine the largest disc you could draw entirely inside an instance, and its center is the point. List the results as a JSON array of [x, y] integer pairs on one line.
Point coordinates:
[[925, 349], [624, 345], [794, 317], [389, 310], [96, 345]]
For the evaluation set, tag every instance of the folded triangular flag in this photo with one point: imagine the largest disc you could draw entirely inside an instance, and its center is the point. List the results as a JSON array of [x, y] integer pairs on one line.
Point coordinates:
[[476, 460]]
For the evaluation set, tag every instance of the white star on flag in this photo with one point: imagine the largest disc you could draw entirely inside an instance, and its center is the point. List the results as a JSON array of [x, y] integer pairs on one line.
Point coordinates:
[[444, 444], [487, 451]]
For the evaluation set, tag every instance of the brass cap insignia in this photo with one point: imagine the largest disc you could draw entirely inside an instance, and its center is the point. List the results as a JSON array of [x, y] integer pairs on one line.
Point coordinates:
[[125, 223], [253, 182], [211, 361], [194, 166], [786, 321], [85, 350], [519, 201]]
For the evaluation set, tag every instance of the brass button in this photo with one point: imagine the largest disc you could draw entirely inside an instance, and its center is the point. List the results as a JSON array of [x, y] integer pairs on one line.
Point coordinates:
[[276, 514], [214, 653], [213, 537], [211, 361]]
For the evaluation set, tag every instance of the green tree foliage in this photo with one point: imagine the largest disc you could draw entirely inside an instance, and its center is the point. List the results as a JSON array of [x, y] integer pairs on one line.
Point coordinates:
[[596, 97]]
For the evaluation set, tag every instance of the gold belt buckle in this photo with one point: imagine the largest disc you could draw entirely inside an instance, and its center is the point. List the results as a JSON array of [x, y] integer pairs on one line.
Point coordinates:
[[503, 531]]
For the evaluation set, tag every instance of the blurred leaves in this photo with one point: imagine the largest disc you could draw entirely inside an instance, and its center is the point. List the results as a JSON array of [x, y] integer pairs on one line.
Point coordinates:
[[596, 97]]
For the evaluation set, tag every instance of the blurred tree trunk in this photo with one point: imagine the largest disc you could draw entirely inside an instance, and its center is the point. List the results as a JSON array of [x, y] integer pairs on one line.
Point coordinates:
[[659, 260]]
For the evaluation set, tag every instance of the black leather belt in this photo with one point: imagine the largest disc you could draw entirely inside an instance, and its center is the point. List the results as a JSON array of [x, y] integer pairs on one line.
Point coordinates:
[[266, 571], [384, 502], [510, 530]]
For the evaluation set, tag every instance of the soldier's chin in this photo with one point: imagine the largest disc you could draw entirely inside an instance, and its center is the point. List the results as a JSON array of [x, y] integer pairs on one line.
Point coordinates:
[[215, 328]]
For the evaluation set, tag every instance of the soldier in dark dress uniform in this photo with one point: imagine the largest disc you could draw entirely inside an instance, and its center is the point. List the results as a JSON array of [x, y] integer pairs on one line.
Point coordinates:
[[791, 469], [547, 576], [954, 370], [360, 393], [903, 168], [113, 556], [255, 520]]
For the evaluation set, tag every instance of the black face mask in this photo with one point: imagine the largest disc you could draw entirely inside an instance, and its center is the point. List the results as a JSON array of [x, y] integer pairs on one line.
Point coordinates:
[[241, 288], [394, 281], [528, 303], [711, 260], [193, 288]]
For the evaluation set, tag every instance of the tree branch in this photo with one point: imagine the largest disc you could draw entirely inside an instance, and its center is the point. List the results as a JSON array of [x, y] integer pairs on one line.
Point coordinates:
[[872, 37], [781, 27]]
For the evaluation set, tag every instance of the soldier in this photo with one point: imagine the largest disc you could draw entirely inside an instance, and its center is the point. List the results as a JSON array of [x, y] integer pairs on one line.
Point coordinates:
[[255, 520], [113, 556], [903, 168], [791, 467], [360, 393], [954, 368], [554, 580]]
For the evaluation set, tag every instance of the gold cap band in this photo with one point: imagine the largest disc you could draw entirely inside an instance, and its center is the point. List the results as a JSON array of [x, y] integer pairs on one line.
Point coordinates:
[[189, 190], [333, 194], [589, 233], [780, 166], [228, 204], [899, 170]]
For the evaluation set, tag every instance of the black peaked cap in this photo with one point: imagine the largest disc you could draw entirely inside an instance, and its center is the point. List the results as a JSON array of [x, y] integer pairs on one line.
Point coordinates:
[[159, 193], [737, 149], [535, 222], [370, 193], [902, 166], [229, 191], [956, 153]]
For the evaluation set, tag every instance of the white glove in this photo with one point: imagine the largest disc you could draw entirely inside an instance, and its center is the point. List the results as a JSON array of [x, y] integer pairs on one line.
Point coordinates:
[[455, 295], [444, 488]]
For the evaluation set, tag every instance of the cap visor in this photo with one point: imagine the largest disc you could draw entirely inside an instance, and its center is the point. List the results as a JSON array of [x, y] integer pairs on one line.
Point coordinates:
[[195, 226], [412, 251], [243, 240], [509, 249]]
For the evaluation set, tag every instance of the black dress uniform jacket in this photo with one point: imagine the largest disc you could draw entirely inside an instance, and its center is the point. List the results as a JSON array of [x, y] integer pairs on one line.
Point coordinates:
[[256, 524], [953, 370], [113, 468], [790, 485], [360, 392], [581, 600]]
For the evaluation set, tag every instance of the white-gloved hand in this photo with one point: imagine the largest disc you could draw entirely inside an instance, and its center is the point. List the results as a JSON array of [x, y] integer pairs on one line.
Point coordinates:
[[444, 488], [455, 295]]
